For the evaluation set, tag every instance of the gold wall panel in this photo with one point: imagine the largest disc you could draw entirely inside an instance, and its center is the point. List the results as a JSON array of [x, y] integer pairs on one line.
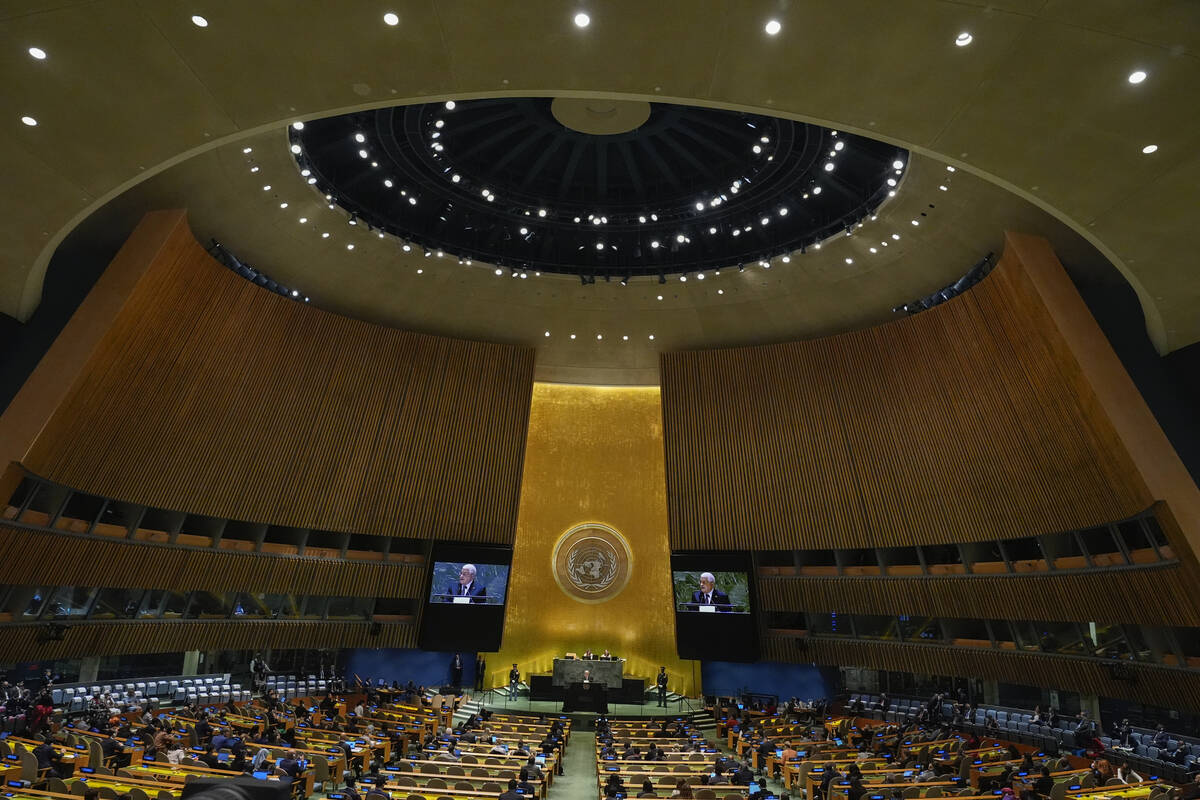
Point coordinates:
[[593, 455]]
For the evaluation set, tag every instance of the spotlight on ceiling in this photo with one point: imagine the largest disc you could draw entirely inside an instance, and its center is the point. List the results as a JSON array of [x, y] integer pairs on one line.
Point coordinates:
[[963, 39], [391, 19], [582, 20], [199, 21], [1136, 76], [773, 27]]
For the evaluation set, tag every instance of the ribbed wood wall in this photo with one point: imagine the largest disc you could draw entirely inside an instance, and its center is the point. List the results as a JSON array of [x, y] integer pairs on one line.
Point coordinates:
[[1160, 686], [1109, 596], [969, 421], [128, 638], [214, 396], [36, 558]]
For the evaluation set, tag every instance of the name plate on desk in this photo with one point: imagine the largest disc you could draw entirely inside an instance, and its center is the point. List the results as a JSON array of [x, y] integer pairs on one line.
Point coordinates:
[[706, 609], [461, 599]]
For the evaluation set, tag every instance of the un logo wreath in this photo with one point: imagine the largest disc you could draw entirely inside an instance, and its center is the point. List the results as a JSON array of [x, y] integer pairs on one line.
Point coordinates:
[[591, 562]]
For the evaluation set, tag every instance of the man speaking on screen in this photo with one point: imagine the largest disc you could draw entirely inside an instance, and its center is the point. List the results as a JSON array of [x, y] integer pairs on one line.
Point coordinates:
[[709, 595], [466, 588]]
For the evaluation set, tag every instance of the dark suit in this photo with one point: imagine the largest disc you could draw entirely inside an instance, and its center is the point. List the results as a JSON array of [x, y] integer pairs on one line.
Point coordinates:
[[477, 592], [718, 599]]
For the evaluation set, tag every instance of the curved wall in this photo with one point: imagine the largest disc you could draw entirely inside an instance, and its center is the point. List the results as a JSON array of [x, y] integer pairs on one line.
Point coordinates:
[[209, 395], [970, 421]]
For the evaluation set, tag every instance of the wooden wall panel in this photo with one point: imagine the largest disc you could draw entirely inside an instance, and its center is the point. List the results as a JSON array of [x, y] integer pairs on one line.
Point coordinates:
[[1161, 686], [966, 422], [128, 638], [63, 560], [214, 396], [1110, 596]]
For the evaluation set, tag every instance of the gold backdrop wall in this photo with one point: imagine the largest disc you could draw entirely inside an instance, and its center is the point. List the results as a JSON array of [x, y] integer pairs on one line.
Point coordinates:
[[593, 455]]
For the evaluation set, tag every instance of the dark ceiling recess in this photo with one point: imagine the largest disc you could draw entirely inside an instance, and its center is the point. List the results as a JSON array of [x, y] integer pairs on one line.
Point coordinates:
[[504, 182]]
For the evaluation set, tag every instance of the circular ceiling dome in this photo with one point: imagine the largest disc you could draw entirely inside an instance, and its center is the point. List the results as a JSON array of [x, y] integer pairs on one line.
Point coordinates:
[[594, 187]]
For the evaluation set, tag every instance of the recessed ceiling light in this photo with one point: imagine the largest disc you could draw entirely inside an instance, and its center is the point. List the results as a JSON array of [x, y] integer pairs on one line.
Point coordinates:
[[950, 168], [267, 188], [312, 180], [839, 145], [299, 126], [40, 55], [652, 337], [599, 245], [541, 212], [757, 148], [625, 338], [449, 105], [247, 149], [943, 188], [303, 220], [683, 278], [599, 335], [360, 138], [1136, 76], [283, 205], [572, 336], [772, 27], [654, 244], [897, 164], [30, 121], [349, 247], [199, 21], [720, 291], [1150, 148], [817, 190], [391, 19], [829, 166], [547, 333], [660, 297], [849, 260], [255, 168], [916, 222], [325, 235], [891, 181], [895, 236], [387, 182], [964, 39], [582, 20], [296, 149], [699, 206]]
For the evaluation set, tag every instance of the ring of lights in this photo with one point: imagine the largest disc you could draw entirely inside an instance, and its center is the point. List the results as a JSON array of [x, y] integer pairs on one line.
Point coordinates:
[[504, 181]]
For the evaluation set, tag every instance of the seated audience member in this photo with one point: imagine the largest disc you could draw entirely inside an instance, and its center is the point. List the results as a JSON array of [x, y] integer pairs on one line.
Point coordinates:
[[1126, 774], [48, 759], [717, 777], [524, 786], [175, 753], [348, 783], [209, 758], [647, 789], [1043, 784], [290, 764], [682, 789], [262, 761]]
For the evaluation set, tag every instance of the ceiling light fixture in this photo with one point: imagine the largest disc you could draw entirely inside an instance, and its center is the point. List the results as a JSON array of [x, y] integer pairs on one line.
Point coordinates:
[[449, 105], [963, 39], [30, 121], [299, 126], [391, 19], [1150, 148], [40, 55], [772, 27], [1137, 76], [199, 21], [582, 20]]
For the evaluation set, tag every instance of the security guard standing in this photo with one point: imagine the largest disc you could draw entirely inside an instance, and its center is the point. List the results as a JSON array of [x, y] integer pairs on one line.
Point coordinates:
[[662, 686]]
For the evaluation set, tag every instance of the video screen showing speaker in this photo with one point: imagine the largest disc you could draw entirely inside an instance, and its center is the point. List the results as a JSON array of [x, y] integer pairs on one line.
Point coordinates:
[[466, 594], [714, 606]]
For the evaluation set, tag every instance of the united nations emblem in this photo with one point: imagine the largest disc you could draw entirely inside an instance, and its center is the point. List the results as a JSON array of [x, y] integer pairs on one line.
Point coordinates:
[[591, 562]]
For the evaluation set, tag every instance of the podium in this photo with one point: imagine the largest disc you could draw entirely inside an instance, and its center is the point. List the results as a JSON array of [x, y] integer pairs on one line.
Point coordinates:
[[585, 697]]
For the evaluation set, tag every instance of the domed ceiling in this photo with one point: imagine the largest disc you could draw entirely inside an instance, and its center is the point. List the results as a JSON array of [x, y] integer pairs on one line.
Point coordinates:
[[595, 188]]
